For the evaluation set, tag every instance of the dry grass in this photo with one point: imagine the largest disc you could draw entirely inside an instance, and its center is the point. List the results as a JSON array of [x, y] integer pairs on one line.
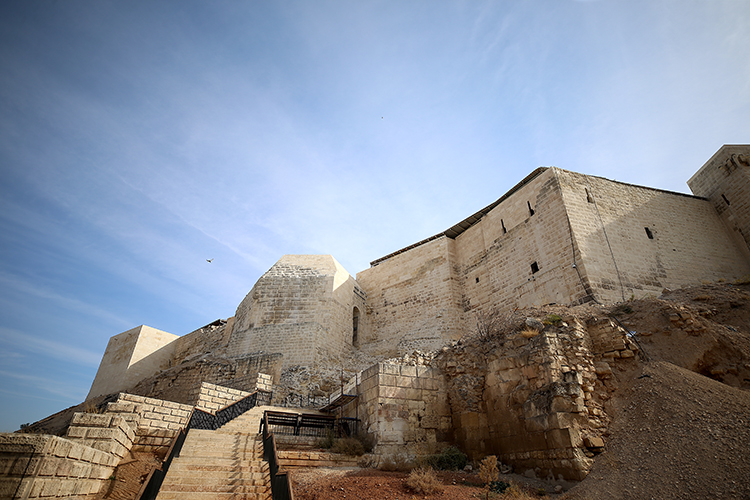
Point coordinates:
[[529, 332], [516, 493], [396, 463], [424, 482], [348, 446]]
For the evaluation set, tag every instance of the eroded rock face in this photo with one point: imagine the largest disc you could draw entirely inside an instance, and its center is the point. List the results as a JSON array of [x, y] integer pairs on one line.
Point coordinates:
[[536, 399]]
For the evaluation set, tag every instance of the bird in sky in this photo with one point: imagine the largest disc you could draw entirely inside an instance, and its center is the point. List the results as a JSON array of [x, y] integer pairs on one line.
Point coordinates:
[[209, 260]]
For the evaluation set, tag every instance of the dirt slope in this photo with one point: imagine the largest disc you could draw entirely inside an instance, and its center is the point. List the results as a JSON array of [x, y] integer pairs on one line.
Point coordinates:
[[675, 434]]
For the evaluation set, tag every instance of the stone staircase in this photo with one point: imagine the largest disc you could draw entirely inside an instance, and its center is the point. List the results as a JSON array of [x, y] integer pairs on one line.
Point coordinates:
[[223, 464]]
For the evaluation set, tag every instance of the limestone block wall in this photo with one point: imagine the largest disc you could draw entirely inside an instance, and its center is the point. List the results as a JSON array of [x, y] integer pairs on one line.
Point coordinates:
[[44, 466], [302, 308], [404, 407], [108, 433], [725, 181], [414, 300], [520, 254], [130, 357], [180, 382], [156, 422], [209, 338], [635, 240], [213, 397], [536, 401]]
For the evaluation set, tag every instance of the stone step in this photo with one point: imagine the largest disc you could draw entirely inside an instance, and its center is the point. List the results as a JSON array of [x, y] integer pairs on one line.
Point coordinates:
[[232, 487], [217, 463], [201, 474], [213, 495], [193, 464], [208, 451], [301, 458], [204, 482]]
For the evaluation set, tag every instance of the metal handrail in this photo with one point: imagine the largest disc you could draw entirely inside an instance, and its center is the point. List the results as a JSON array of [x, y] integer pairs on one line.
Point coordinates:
[[198, 419], [281, 486]]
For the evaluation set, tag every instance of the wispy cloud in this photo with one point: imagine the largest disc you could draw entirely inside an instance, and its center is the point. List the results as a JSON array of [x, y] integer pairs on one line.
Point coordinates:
[[58, 350]]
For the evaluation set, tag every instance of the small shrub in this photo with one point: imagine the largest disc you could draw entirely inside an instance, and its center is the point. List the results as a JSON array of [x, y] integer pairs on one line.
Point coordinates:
[[348, 446], [553, 319], [396, 463], [327, 442], [424, 481], [515, 493], [488, 473], [92, 408], [367, 440], [621, 309], [451, 458], [499, 486]]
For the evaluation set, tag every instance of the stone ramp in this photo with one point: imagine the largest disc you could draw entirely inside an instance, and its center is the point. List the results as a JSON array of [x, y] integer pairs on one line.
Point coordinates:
[[222, 464]]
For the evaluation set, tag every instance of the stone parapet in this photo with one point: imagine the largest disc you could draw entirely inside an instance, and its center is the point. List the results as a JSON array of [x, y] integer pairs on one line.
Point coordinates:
[[212, 397]]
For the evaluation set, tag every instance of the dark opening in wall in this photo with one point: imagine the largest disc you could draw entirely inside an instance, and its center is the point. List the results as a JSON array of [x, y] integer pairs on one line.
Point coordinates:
[[503, 224], [534, 268], [355, 327], [588, 196], [531, 210], [725, 199], [477, 280], [649, 233]]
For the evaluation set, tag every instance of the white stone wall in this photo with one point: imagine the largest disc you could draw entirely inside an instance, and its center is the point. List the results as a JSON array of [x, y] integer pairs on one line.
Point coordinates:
[[689, 243], [130, 357], [44, 466], [403, 406], [413, 299], [302, 308], [725, 181]]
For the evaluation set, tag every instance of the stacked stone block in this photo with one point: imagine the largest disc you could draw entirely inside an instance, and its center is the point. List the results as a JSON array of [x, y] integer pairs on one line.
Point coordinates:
[[404, 407], [108, 433], [156, 422], [264, 383], [212, 398], [44, 466]]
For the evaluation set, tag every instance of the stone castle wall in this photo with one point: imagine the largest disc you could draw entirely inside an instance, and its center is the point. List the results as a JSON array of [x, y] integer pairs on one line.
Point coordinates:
[[725, 181], [635, 240], [132, 356], [302, 307], [413, 300], [209, 338], [515, 258], [404, 406]]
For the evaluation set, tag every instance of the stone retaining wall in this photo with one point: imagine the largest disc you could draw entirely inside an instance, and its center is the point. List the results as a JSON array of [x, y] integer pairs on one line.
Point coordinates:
[[156, 422], [43, 466], [404, 407]]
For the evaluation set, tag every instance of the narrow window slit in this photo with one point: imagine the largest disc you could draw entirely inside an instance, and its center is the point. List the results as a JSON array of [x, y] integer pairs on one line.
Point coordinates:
[[588, 196], [725, 199], [649, 233], [531, 210], [503, 224], [534, 268]]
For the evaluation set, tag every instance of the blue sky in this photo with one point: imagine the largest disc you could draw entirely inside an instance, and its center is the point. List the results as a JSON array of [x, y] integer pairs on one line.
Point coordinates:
[[140, 138]]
